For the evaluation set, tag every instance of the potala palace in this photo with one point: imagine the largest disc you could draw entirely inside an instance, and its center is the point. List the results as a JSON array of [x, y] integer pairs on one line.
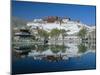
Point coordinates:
[[72, 27]]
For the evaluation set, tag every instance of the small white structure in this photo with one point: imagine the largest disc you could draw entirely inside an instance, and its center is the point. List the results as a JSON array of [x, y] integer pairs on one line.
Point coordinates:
[[65, 20], [37, 20], [48, 52]]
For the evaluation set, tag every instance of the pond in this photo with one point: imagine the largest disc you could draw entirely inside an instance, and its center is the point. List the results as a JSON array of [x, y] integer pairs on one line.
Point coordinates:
[[51, 58]]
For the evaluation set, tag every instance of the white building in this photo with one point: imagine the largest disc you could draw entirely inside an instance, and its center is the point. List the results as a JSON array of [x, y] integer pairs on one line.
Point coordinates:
[[66, 24], [71, 27]]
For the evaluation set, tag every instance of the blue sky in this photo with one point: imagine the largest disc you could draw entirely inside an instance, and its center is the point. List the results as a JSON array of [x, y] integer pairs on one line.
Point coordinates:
[[30, 10]]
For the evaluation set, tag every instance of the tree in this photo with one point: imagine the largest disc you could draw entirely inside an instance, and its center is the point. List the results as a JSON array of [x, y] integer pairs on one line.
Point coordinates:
[[55, 33], [82, 33], [43, 34], [63, 32]]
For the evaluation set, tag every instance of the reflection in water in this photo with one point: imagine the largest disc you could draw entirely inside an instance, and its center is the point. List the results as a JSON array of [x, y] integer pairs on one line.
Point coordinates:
[[49, 58], [82, 48], [53, 52]]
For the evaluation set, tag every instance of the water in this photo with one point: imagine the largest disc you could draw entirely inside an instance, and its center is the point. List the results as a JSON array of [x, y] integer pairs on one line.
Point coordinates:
[[52, 58]]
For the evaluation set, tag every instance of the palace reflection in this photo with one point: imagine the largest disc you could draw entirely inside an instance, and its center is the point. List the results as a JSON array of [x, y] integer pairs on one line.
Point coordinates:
[[51, 52]]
